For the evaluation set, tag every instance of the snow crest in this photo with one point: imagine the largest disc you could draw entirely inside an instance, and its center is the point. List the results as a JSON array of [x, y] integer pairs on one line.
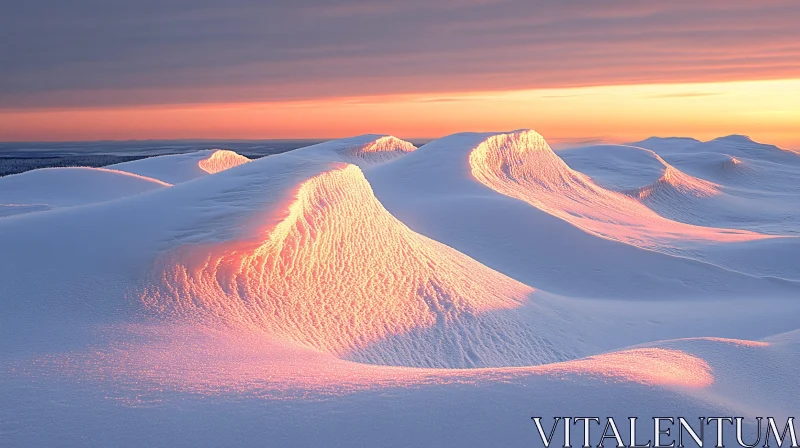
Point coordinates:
[[522, 165], [380, 150], [364, 151], [673, 185], [340, 275], [221, 160]]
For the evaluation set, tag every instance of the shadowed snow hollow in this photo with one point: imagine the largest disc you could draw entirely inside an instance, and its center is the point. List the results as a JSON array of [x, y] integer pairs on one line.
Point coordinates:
[[339, 274], [177, 168]]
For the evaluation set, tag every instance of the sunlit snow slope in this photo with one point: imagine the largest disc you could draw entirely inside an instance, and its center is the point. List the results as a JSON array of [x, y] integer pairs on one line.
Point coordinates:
[[364, 292], [522, 165], [341, 275], [511, 203]]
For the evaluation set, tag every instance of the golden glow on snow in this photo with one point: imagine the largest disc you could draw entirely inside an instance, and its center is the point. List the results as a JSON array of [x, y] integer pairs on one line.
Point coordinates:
[[221, 160], [207, 362], [336, 274]]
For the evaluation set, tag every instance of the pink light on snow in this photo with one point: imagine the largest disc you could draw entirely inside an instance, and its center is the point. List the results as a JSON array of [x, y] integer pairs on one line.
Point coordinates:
[[221, 160], [522, 165], [210, 362], [334, 271]]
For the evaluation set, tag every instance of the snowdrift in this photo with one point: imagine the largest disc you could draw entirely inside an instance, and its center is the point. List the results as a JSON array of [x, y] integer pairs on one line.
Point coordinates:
[[364, 151], [49, 188], [179, 168], [747, 194], [639, 173], [363, 292], [340, 275], [522, 165], [735, 145], [734, 161], [504, 199]]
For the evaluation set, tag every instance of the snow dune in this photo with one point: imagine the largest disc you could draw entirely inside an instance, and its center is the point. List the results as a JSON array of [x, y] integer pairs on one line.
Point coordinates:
[[733, 192], [522, 165], [735, 161], [179, 168], [504, 199], [340, 275], [637, 172], [364, 151], [375, 293], [735, 145], [49, 188]]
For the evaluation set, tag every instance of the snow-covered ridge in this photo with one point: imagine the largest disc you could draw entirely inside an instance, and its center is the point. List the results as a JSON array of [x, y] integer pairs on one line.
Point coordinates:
[[364, 151], [436, 298], [674, 184], [521, 165], [736, 145], [178, 168], [50, 188], [221, 160], [338, 256], [635, 171], [708, 184]]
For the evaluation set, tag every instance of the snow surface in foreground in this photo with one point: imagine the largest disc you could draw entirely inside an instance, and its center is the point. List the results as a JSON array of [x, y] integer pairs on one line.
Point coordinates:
[[364, 292]]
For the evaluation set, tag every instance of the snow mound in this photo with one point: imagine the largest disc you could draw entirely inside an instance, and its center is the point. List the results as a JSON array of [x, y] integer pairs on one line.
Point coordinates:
[[759, 184], [363, 151], [637, 172], [248, 365], [730, 192], [667, 144], [221, 160], [615, 167], [434, 192], [673, 186], [179, 168], [729, 169], [286, 280], [49, 188], [336, 273], [521, 165], [738, 171], [739, 146]]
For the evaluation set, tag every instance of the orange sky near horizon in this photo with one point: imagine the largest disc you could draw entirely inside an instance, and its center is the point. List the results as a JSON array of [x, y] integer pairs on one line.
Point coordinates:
[[766, 110]]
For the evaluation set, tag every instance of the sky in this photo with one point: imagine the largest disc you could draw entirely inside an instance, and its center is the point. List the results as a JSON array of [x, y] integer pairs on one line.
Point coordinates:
[[574, 70]]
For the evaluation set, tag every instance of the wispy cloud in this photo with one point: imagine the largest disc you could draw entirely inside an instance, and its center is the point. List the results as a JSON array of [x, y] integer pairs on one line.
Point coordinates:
[[95, 52]]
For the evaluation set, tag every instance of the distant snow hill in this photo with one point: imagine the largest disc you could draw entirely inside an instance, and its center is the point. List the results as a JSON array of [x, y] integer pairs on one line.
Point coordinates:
[[49, 188], [179, 168], [366, 292]]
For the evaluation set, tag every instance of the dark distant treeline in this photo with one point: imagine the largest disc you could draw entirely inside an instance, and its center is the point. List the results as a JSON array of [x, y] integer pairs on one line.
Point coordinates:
[[15, 165]]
